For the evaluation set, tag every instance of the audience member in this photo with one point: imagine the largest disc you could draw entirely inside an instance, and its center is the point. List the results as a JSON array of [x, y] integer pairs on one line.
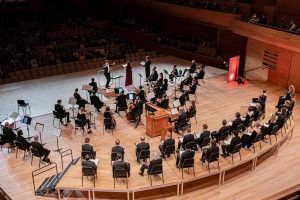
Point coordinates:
[[156, 160], [88, 148], [167, 143]]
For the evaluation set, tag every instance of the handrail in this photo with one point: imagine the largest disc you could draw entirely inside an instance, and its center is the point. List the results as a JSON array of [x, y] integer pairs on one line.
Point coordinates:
[[43, 171], [68, 152]]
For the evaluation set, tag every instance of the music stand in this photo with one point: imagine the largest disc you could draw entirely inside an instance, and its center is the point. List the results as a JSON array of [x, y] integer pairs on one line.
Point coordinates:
[[39, 128], [102, 92], [87, 88], [117, 78], [72, 101], [89, 108], [140, 78], [166, 72], [27, 120]]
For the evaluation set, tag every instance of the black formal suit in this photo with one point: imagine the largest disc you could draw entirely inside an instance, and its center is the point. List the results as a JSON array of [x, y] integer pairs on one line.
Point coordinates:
[[207, 152], [247, 119], [226, 149], [173, 74], [9, 135], [193, 68], [164, 103], [181, 122], [62, 112], [185, 140], [185, 155], [77, 96], [121, 101], [147, 68], [96, 102], [95, 88], [152, 163], [121, 165], [89, 163], [107, 75], [166, 143], [154, 76], [236, 123], [203, 135], [141, 95], [23, 141], [118, 149], [222, 130], [141, 146], [82, 117], [42, 151], [89, 148]]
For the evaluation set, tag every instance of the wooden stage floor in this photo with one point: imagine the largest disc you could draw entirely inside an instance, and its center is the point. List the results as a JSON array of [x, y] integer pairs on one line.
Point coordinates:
[[217, 100]]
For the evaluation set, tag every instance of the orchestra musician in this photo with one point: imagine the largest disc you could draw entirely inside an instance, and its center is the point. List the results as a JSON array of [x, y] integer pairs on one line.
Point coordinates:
[[174, 73], [192, 69], [200, 75], [187, 81], [108, 114], [160, 81], [147, 67], [80, 101], [121, 102], [192, 89], [163, 102], [154, 75], [95, 100], [94, 85], [107, 68], [164, 86], [81, 115], [59, 108], [141, 94], [135, 109]]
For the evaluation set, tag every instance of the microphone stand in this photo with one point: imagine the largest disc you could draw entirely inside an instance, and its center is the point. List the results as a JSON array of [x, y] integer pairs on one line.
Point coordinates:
[[175, 89]]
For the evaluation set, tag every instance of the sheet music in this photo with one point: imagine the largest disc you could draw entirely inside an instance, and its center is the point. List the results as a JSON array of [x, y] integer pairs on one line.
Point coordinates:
[[181, 139], [176, 103], [72, 101], [89, 108], [228, 141], [101, 91], [96, 161], [14, 115], [229, 123], [87, 87], [130, 88], [150, 95], [39, 127], [143, 63], [252, 104], [169, 92], [174, 111]]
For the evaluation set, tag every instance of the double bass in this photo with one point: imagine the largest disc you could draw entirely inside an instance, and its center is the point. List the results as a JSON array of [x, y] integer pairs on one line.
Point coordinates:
[[129, 115]]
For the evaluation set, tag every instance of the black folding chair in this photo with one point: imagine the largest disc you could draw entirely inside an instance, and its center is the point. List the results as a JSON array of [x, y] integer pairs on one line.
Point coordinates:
[[113, 157], [193, 114], [84, 153], [169, 150], [257, 138], [56, 116], [205, 142], [273, 132], [88, 171], [236, 149], [79, 124], [214, 157], [108, 124], [20, 146], [144, 154], [22, 104], [187, 163], [35, 153], [120, 173], [156, 170], [223, 136]]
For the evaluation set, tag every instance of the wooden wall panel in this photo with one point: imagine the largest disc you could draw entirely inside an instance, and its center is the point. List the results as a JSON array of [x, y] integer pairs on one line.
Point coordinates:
[[294, 78], [254, 59]]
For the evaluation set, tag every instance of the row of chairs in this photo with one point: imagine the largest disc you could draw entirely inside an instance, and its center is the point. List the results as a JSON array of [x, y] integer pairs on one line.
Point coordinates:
[[65, 68]]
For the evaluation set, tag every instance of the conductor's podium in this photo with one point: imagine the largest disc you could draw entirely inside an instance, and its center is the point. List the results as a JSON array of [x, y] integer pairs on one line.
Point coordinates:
[[156, 120]]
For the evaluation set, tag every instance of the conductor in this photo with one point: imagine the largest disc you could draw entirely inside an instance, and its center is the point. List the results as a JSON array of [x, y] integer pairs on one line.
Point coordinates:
[[107, 70]]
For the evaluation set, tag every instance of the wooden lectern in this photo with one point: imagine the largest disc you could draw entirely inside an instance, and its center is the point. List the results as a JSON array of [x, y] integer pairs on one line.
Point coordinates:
[[156, 120]]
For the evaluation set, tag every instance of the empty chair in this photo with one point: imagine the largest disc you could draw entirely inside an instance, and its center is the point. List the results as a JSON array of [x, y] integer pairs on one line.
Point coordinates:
[[22, 104]]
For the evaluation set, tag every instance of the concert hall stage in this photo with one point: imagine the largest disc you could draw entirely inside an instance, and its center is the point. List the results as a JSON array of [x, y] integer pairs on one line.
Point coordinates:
[[257, 176]]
